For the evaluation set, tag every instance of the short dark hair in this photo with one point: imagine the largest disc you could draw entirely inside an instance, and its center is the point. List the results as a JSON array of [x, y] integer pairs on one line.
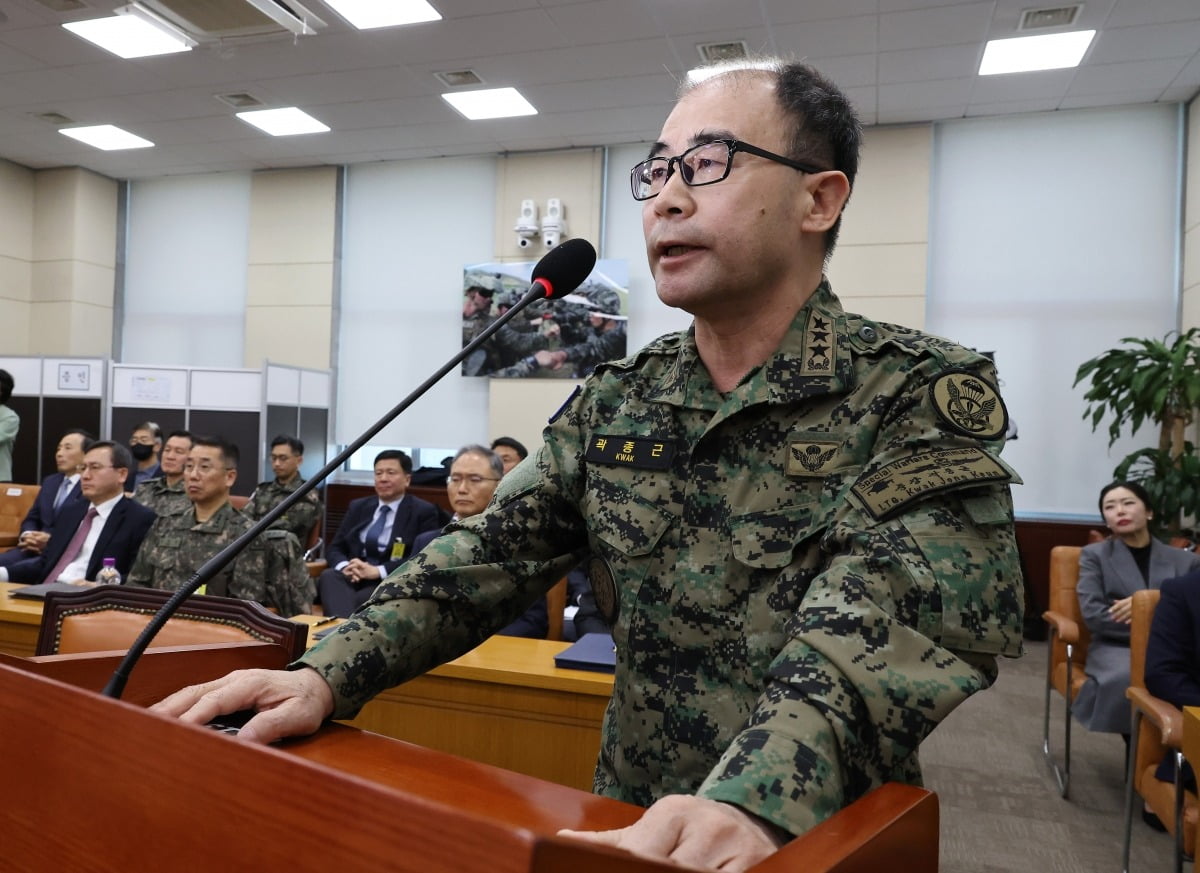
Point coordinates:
[[229, 452], [1138, 491], [6, 386], [290, 441], [395, 455], [484, 452], [186, 434], [87, 439], [121, 457], [826, 130], [509, 442], [150, 426]]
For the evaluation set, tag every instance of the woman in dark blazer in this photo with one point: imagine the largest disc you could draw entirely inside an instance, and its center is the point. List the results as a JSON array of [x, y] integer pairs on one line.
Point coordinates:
[[1109, 573]]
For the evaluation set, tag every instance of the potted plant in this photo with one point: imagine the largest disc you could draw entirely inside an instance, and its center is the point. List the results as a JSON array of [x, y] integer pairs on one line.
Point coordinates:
[[1152, 381]]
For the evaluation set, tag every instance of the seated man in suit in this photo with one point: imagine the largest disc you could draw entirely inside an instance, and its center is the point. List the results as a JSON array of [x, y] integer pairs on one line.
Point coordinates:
[[287, 454], [1173, 656], [58, 489], [178, 545], [376, 536], [474, 474], [106, 524], [166, 494]]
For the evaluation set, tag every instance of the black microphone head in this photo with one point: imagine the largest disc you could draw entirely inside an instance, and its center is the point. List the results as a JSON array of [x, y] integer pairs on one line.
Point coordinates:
[[564, 267]]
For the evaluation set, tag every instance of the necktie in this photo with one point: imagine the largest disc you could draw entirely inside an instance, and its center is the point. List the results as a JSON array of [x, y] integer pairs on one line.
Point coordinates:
[[371, 550], [63, 490], [73, 547]]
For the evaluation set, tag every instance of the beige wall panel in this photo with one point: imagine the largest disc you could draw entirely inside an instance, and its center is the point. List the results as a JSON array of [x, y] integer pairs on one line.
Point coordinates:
[[890, 202], [16, 211], [907, 311], [1191, 308], [16, 279], [14, 315], [65, 281], [64, 328], [520, 408], [54, 215], [95, 219], [879, 270], [571, 176], [292, 216], [289, 284], [1191, 255], [294, 335]]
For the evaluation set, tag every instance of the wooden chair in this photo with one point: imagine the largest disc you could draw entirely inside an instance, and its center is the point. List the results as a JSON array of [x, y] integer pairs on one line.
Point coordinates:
[[556, 603], [15, 501], [1157, 730], [110, 617], [1067, 652]]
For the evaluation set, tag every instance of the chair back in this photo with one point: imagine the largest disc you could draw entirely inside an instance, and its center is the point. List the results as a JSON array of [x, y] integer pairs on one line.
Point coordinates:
[[238, 502], [1064, 600], [15, 501], [110, 617], [1142, 614], [556, 602]]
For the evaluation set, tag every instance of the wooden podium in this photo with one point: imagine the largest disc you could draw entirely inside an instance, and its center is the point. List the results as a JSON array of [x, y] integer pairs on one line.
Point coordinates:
[[102, 785]]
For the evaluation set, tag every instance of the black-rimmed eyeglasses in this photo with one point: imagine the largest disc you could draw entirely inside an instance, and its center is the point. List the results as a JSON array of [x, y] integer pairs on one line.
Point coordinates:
[[704, 164]]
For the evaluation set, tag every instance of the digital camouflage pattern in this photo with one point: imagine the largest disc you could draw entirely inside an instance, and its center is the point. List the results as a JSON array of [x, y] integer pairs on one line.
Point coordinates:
[[784, 643], [177, 545], [299, 520], [164, 499]]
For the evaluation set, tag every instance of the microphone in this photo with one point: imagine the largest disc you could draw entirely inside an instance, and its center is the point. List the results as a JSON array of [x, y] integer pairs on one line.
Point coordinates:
[[560, 271]]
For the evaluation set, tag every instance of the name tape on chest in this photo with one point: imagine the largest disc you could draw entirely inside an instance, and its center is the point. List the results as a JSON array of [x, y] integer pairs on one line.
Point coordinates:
[[893, 487], [628, 451]]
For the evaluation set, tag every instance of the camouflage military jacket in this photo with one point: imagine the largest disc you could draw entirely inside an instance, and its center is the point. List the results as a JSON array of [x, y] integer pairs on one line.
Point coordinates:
[[804, 575], [299, 520], [178, 545], [164, 499]]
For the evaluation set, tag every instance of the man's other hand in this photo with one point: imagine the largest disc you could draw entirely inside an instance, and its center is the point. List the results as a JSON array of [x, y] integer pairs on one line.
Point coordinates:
[[289, 703], [693, 831]]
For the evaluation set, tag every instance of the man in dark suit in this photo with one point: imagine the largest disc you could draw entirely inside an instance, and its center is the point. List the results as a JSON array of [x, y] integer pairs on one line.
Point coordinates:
[[375, 537], [1173, 654], [104, 525], [58, 490]]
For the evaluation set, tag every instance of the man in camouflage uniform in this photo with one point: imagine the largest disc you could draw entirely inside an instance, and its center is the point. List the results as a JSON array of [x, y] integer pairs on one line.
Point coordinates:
[[178, 545], [802, 532], [287, 454], [165, 494]]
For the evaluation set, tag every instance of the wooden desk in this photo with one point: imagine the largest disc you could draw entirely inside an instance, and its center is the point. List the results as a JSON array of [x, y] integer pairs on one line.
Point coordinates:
[[19, 622], [504, 704]]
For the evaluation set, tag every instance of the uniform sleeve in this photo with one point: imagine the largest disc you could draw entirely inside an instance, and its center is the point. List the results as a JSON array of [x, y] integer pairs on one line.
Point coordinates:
[[1094, 599], [141, 573], [469, 582], [900, 626]]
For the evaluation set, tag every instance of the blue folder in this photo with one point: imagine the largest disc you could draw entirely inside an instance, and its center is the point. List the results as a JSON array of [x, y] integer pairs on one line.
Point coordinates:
[[594, 652]]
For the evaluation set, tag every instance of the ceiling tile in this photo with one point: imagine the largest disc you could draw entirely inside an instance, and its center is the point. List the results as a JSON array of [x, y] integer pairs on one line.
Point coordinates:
[[847, 71], [1127, 12], [1181, 39], [823, 39], [1021, 86], [1043, 104], [1125, 78], [924, 64], [790, 12], [1091, 101], [608, 21], [942, 25], [925, 95]]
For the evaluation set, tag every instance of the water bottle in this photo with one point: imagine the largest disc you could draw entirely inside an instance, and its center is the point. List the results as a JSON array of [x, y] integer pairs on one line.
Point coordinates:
[[109, 575]]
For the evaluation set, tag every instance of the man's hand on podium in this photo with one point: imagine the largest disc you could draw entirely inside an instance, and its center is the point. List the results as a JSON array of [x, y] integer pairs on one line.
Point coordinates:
[[693, 831], [288, 702]]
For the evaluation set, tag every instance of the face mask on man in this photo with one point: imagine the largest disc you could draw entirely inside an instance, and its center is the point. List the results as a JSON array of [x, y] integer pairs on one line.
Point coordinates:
[[141, 451]]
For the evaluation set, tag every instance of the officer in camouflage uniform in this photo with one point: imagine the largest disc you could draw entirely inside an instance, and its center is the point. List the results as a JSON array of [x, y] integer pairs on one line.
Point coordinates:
[[801, 528], [178, 545], [287, 454], [165, 494]]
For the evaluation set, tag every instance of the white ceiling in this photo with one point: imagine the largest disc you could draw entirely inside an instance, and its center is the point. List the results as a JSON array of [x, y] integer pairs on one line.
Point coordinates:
[[598, 71]]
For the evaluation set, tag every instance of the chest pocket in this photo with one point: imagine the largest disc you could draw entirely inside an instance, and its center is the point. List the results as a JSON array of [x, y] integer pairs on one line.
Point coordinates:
[[628, 524]]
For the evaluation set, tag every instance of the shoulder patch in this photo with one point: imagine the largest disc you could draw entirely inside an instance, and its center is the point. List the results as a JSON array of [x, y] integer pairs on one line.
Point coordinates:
[[891, 488], [969, 404]]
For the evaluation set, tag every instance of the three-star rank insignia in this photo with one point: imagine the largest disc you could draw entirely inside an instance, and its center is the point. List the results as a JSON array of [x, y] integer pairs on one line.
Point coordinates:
[[969, 404]]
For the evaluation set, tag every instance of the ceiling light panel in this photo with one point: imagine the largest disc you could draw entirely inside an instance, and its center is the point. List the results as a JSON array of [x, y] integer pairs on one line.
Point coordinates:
[[107, 137], [490, 103], [1024, 54], [286, 121], [129, 36], [368, 14]]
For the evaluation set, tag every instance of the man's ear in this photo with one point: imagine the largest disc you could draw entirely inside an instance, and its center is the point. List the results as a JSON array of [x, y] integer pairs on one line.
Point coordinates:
[[829, 192]]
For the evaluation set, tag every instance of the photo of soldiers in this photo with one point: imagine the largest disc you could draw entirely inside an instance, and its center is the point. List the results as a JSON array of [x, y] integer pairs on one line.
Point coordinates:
[[559, 339]]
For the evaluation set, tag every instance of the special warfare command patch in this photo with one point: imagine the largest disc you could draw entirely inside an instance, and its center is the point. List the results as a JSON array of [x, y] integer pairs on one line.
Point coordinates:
[[627, 451], [969, 404], [894, 486]]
